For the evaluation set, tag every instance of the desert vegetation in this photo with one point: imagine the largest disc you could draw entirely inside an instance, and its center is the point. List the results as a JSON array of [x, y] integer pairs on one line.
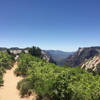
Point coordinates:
[[6, 62], [52, 82]]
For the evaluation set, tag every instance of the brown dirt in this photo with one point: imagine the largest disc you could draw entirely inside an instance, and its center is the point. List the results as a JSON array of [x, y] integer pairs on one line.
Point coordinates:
[[9, 91]]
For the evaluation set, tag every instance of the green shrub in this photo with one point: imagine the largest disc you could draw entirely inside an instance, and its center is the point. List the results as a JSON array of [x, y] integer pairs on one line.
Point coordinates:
[[6, 62], [23, 64], [25, 86], [56, 83]]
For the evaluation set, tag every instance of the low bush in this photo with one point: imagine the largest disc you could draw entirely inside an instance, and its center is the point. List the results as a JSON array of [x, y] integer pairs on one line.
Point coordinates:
[[6, 62], [55, 82]]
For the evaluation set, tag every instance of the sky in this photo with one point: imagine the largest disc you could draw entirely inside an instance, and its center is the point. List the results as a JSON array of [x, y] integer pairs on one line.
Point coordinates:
[[50, 24]]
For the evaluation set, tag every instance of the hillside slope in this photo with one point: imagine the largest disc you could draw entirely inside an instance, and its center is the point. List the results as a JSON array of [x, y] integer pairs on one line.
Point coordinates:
[[58, 56]]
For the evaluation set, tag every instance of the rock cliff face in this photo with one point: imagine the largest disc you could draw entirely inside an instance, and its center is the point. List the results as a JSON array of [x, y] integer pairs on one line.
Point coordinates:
[[45, 56], [18, 50], [14, 51], [93, 64], [81, 55]]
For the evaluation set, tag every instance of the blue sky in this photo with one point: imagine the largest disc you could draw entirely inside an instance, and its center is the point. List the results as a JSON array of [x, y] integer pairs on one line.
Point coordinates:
[[50, 24]]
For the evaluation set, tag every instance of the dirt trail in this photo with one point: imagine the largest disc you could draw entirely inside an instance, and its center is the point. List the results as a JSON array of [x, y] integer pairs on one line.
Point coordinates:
[[9, 91]]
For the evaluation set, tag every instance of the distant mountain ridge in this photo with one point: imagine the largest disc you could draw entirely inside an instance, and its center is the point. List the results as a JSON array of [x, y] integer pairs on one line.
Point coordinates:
[[81, 55], [58, 56], [72, 59]]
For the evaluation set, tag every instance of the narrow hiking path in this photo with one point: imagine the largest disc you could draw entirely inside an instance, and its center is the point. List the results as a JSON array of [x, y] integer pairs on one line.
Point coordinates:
[[9, 91]]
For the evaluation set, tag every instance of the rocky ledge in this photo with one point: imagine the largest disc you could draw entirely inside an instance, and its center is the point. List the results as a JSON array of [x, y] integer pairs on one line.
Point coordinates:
[[93, 64]]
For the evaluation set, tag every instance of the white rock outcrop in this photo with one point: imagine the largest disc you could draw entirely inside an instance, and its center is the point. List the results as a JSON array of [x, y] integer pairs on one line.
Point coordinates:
[[92, 63]]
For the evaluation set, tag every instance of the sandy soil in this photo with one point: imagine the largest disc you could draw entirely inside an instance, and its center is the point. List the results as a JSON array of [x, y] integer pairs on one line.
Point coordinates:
[[9, 91]]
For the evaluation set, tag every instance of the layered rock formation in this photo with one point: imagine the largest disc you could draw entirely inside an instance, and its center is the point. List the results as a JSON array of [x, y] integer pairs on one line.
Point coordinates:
[[81, 55]]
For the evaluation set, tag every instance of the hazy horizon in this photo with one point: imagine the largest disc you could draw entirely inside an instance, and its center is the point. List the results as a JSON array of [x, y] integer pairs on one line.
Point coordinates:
[[48, 49]]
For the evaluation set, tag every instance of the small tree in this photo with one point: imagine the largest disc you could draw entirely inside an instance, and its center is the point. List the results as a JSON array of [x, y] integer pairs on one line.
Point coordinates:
[[35, 51]]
